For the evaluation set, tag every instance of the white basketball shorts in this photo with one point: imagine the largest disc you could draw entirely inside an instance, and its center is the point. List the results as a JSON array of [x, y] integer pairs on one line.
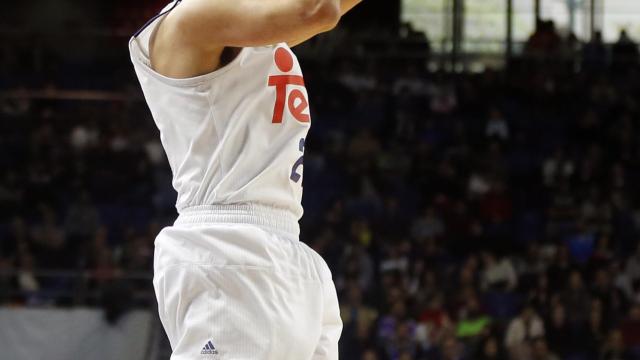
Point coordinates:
[[234, 282]]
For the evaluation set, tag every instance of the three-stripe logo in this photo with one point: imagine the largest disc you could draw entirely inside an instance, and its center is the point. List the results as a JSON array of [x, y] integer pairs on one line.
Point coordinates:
[[209, 349]]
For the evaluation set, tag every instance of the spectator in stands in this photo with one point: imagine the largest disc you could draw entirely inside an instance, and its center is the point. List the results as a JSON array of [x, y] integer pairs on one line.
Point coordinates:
[[558, 331], [632, 268], [595, 335], [402, 344], [28, 284], [389, 323], [581, 243], [435, 319], [624, 53], [541, 350], [451, 350], [557, 167], [615, 349], [609, 300], [498, 274], [413, 42], [490, 349], [364, 147], [353, 310], [521, 331], [473, 322], [49, 241], [545, 42], [497, 126], [541, 295], [577, 298], [81, 223], [370, 354], [357, 343], [594, 54], [430, 225], [630, 329], [358, 266]]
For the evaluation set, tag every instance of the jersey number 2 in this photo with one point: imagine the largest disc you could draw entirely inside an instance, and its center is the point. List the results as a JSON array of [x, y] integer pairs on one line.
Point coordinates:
[[295, 175]]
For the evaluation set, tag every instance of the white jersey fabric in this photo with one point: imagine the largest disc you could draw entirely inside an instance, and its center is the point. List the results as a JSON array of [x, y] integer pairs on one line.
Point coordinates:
[[231, 278], [235, 135]]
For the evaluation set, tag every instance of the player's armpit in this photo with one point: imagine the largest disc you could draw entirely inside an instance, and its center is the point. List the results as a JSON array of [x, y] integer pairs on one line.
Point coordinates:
[[213, 24]]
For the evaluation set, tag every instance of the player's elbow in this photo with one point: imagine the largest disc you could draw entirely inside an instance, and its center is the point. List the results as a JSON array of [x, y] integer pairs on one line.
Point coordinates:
[[323, 14]]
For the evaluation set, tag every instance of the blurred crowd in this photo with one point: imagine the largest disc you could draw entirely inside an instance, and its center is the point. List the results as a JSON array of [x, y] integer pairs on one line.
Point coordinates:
[[487, 215]]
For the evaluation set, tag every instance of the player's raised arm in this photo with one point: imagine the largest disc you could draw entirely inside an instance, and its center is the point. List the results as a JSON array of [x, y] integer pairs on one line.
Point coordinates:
[[345, 6], [212, 24]]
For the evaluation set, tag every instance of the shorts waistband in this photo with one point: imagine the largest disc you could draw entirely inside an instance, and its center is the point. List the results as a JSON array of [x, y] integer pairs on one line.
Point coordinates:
[[263, 216]]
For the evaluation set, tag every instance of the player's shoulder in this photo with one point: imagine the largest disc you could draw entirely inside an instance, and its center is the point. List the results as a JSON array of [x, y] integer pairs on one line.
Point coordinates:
[[174, 55]]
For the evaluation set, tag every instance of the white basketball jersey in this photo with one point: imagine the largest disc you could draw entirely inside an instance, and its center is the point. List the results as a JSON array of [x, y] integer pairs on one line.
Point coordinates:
[[233, 136]]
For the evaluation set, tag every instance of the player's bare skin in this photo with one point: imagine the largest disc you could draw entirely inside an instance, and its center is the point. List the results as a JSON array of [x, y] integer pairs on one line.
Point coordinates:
[[200, 36]]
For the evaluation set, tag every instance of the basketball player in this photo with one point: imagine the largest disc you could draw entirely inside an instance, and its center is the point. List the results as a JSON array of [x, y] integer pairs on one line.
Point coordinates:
[[226, 92]]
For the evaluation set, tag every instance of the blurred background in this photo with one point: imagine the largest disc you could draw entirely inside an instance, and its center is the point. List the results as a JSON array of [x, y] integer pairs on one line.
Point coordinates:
[[469, 179]]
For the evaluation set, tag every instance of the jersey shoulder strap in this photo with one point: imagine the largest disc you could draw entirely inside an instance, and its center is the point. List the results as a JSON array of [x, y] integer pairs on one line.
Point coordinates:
[[165, 11]]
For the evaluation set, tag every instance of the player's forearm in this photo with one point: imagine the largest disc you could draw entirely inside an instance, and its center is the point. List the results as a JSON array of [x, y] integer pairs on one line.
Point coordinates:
[[215, 24], [345, 6]]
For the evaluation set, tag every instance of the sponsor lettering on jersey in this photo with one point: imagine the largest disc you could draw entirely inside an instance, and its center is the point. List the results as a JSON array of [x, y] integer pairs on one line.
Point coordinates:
[[296, 100]]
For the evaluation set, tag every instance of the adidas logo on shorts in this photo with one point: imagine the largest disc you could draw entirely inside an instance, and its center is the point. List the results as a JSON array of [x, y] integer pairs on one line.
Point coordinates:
[[209, 349]]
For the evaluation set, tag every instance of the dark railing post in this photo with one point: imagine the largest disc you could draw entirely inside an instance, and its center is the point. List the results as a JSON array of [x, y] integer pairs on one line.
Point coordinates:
[[592, 18], [509, 43], [458, 23], [571, 5]]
